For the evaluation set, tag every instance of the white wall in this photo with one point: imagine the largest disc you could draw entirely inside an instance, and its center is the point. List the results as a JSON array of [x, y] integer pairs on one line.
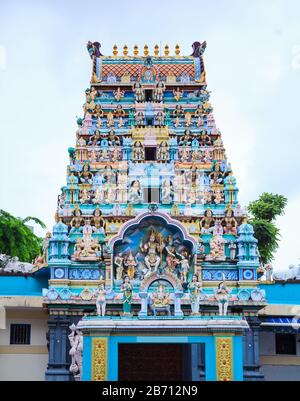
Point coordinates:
[[24, 362]]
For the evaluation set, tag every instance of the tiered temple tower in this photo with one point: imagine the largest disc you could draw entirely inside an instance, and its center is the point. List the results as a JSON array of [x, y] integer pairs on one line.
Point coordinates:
[[150, 200]]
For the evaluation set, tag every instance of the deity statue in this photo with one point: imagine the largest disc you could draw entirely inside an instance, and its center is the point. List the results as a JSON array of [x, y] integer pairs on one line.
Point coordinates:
[[139, 119], [101, 300], [135, 192], [218, 196], [195, 289], [174, 211], [84, 196], [172, 259], [138, 151], [160, 118], [98, 221], [178, 94], [76, 221], [131, 264], [229, 222], [163, 151], [119, 263], [218, 228], [178, 111], [110, 119], [98, 112], [188, 119], [268, 268], [207, 222], [139, 92], [159, 91], [222, 296], [76, 341], [217, 249], [46, 246], [232, 250], [160, 301], [85, 177], [184, 267], [153, 249], [98, 195], [118, 94], [119, 112], [167, 191], [129, 211], [126, 289]]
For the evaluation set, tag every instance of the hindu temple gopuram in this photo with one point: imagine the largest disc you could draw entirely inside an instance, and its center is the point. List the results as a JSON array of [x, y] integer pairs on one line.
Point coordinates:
[[154, 268]]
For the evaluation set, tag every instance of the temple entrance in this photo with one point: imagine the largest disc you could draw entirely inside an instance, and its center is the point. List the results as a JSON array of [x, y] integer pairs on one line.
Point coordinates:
[[163, 362]]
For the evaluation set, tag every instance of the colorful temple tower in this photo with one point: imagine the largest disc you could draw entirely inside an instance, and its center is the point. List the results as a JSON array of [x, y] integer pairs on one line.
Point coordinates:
[[149, 228]]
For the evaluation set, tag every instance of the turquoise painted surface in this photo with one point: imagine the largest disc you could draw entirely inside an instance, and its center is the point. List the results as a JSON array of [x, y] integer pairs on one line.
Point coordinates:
[[20, 285], [238, 358], [87, 359], [286, 294]]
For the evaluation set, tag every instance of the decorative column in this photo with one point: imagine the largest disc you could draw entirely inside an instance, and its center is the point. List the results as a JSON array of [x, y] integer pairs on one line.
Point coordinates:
[[251, 351], [99, 359], [59, 360], [224, 358]]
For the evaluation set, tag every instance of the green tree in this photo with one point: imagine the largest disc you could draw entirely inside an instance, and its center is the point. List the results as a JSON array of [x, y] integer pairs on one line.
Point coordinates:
[[17, 239], [263, 213]]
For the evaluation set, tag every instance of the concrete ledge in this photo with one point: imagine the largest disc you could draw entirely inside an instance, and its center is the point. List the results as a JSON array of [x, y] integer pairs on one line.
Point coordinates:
[[21, 301]]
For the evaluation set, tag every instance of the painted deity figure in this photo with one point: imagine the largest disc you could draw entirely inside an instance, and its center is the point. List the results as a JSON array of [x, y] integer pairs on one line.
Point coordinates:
[[163, 151], [159, 91], [222, 296], [101, 300], [118, 94], [195, 289], [229, 222], [217, 248], [232, 250], [167, 191], [184, 268], [119, 263], [76, 342], [135, 192], [130, 264], [139, 118], [139, 92], [172, 259], [160, 300], [207, 222], [188, 119], [85, 177], [153, 249], [126, 289], [110, 119], [138, 151], [76, 221], [178, 94]]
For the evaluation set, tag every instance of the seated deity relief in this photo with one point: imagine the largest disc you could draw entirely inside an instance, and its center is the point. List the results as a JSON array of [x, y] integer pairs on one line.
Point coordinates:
[[152, 251]]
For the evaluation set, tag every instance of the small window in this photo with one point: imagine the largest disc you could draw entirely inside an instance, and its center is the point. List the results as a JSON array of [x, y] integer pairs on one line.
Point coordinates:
[[20, 333], [285, 344], [150, 153]]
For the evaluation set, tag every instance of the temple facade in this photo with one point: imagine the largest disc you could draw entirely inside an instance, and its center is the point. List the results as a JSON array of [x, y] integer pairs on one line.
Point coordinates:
[[152, 270]]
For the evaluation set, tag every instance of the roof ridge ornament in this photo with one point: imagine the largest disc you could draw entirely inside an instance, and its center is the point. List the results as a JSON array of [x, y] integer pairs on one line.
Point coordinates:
[[198, 48]]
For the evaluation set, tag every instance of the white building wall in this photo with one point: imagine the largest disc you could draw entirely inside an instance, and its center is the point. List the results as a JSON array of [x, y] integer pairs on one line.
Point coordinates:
[[276, 366], [24, 362]]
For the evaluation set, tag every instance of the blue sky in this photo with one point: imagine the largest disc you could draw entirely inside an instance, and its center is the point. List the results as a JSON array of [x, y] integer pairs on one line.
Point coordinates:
[[253, 70]]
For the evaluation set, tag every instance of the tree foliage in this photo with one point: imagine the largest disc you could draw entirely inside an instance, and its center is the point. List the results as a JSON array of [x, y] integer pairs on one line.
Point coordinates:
[[17, 239], [264, 212]]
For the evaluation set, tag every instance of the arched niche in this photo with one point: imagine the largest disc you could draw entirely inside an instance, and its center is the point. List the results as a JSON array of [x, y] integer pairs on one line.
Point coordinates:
[[133, 241]]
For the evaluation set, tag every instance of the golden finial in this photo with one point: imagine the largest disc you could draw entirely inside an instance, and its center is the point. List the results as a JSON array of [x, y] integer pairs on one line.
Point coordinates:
[[135, 50], [115, 50], [146, 51], [177, 50], [167, 51], [156, 50], [125, 50]]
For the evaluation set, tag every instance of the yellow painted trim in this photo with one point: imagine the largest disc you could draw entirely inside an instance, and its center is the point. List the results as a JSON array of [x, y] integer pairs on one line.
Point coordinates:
[[224, 360], [24, 349], [99, 359], [280, 360]]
